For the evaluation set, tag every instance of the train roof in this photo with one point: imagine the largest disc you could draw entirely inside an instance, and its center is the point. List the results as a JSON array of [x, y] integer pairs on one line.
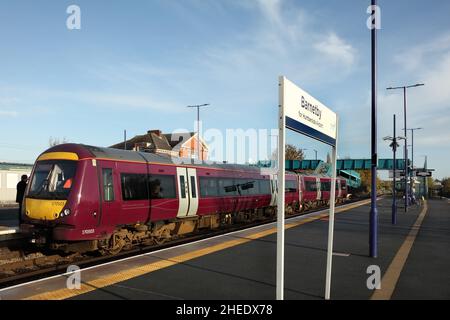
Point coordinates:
[[89, 152], [92, 152]]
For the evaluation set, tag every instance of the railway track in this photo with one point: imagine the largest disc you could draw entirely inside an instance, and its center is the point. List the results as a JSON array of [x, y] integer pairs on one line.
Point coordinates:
[[24, 265]]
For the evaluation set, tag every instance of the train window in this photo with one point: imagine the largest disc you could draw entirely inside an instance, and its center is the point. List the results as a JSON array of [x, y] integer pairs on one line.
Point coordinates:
[[134, 186], [290, 186], [108, 187], [311, 186], [52, 180], [193, 188], [162, 187], [227, 187], [208, 187], [247, 187], [183, 187], [325, 186], [264, 187]]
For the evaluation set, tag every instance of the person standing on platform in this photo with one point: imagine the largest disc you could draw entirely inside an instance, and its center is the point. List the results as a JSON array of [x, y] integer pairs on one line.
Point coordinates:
[[21, 186]]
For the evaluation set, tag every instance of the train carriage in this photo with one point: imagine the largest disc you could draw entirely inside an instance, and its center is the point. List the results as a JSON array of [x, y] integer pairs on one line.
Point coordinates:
[[85, 198]]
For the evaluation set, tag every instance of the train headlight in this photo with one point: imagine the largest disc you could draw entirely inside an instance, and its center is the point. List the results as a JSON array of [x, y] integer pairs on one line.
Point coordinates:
[[66, 212]]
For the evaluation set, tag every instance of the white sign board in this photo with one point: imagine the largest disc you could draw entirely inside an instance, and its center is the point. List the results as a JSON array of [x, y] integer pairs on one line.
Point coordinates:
[[307, 115], [424, 174], [301, 112]]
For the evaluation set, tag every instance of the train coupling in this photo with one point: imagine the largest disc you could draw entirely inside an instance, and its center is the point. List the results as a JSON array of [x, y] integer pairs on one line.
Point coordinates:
[[38, 240]]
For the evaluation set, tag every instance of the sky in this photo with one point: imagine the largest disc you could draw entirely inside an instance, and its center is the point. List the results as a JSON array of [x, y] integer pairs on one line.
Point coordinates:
[[137, 65]]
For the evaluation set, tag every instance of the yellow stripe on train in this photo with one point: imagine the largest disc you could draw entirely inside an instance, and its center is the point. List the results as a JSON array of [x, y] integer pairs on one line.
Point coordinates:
[[43, 209], [58, 156]]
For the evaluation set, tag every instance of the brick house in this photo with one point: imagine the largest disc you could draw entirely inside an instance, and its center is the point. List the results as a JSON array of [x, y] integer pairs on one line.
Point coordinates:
[[176, 145]]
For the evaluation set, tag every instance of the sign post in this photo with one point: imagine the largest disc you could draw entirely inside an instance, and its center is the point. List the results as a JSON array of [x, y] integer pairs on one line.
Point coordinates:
[[301, 112]]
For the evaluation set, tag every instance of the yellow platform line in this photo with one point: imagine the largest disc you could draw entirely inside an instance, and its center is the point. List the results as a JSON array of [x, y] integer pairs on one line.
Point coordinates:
[[390, 278], [124, 275]]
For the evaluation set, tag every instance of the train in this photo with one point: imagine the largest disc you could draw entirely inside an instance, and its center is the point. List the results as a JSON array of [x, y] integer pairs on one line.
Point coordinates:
[[83, 198]]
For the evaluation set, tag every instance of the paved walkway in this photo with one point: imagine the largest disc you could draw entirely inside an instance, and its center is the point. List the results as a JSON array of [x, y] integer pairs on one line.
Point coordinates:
[[413, 259]]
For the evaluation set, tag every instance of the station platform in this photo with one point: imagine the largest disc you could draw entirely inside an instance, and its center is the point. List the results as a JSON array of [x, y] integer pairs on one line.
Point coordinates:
[[413, 258], [9, 223]]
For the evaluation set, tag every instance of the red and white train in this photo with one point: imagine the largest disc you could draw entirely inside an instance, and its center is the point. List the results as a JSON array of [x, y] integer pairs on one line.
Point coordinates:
[[84, 198]]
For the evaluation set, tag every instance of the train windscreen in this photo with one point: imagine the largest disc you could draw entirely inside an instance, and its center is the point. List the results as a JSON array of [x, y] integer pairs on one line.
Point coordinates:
[[52, 179]]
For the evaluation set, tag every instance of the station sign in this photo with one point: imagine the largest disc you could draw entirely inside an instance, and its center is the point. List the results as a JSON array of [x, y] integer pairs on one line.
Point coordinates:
[[304, 114], [424, 174], [307, 115]]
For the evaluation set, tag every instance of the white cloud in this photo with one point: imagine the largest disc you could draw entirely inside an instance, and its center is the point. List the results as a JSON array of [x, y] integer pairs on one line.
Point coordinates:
[[337, 49], [415, 56], [6, 113]]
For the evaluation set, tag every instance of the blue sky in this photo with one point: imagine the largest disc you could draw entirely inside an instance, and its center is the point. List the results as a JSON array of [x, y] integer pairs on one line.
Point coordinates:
[[136, 65]]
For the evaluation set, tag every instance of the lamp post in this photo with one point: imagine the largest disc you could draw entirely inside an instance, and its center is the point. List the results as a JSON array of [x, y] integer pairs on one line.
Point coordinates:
[[304, 154], [373, 220], [412, 154], [406, 139], [394, 145], [426, 178], [198, 127]]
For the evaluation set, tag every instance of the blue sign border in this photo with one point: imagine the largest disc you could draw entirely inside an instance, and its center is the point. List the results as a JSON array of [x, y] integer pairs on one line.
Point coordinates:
[[313, 133]]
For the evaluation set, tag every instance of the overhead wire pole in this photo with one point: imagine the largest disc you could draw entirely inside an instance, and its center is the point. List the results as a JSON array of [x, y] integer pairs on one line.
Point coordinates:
[[373, 232], [198, 127]]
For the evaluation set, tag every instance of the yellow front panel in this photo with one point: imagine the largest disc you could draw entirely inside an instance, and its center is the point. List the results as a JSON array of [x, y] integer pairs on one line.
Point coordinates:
[[43, 209], [58, 156]]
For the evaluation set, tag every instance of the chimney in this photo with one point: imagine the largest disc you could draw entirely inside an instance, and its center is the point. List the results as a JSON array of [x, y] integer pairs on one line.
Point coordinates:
[[157, 132]]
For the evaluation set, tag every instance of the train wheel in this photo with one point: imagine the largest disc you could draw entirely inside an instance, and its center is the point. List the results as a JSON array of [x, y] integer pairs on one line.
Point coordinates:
[[160, 241], [116, 244]]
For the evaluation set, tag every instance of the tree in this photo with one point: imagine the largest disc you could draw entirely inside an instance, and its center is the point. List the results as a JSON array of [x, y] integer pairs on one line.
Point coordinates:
[[292, 153], [55, 141], [446, 186], [366, 181]]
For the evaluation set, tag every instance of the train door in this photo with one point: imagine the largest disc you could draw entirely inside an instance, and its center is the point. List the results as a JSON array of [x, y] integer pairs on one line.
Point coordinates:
[[338, 188], [109, 204], [273, 188], [300, 191], [188, 192], [319, 189]]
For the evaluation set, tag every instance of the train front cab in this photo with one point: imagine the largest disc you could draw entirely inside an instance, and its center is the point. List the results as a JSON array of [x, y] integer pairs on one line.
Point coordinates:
[[53, 207]]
